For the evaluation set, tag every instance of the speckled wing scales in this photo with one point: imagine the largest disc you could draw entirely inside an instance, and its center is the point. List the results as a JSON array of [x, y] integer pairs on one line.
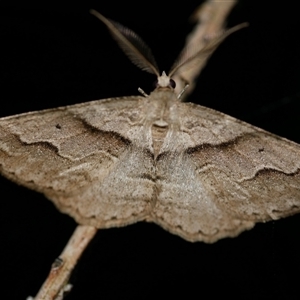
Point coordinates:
[[230, 176], [204, 177], [82, 157]]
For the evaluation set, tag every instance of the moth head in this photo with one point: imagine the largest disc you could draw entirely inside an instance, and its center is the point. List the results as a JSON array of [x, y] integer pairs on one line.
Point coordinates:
[[165, 81], [140, 54]]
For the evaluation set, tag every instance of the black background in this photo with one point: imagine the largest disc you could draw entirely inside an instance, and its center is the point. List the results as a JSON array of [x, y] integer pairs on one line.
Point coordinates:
[[55, 55]]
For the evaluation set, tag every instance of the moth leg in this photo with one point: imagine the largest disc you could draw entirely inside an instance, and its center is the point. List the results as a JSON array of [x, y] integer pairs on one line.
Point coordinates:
[[142, 92], [183, 90]]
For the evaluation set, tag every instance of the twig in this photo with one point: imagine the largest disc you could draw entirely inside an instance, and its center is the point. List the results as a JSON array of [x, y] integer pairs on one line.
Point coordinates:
[[57, 281], [210, 18]]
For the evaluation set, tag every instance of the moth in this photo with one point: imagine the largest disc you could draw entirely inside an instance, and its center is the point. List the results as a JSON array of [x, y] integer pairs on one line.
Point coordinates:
[[196, 172]]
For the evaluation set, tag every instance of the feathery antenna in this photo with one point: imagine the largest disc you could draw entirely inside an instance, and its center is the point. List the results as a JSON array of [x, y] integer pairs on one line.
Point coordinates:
[[132, 45], [140, 54], [191, 57]]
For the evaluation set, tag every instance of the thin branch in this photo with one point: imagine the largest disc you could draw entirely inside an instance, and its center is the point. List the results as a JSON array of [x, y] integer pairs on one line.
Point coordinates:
[[57, 281], [210, 18]]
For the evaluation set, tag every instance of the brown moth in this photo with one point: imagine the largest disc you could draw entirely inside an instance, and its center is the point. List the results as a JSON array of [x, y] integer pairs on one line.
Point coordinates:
[[196, 172]]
